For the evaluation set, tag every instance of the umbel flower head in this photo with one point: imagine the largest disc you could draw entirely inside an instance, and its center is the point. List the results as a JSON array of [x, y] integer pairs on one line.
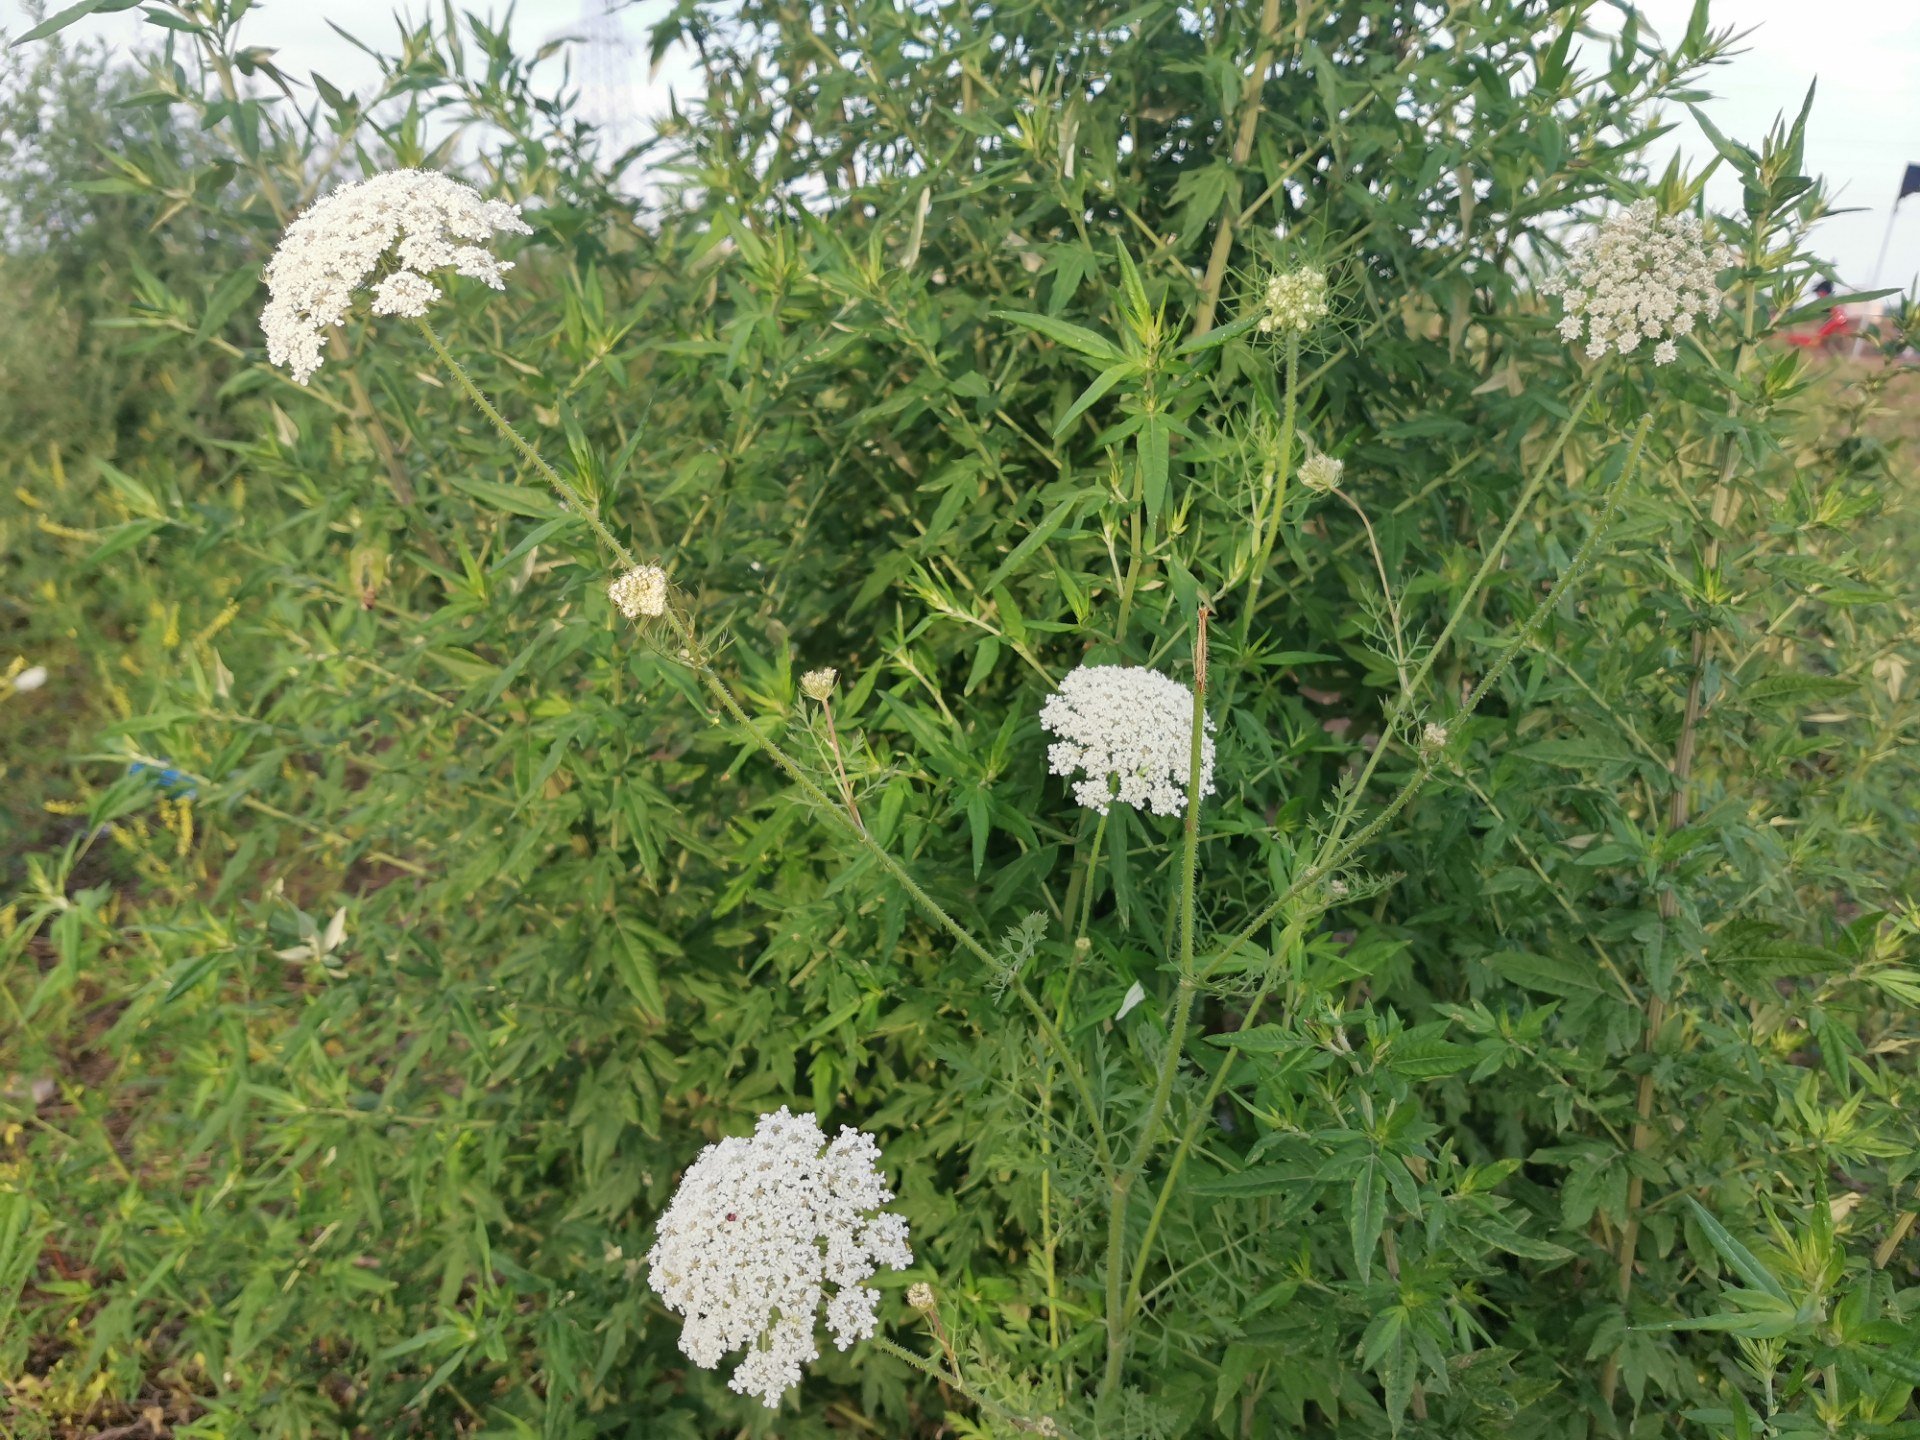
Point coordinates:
[[1128, 732], [1294, 302], [758, 1230], [641, 591], [1640, 276], [819, 683], [398, 226]]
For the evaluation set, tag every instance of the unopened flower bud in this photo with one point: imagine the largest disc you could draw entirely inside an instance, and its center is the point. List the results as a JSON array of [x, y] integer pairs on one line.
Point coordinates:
[[1293, 303], [1433, 740], [1321, 473], [920, 1296], [819, 683]]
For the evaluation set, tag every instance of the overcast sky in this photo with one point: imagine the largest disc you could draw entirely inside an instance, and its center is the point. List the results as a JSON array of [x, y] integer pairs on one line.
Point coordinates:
[[1864, 131]]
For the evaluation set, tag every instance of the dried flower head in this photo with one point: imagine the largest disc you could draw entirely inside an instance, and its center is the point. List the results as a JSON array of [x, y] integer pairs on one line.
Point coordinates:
[[1294, 302], [920, 1295], [400, 226], [641, 591], [1129, 733], [1321, 473], [756, 1232], [1640, 276], [819, 683]]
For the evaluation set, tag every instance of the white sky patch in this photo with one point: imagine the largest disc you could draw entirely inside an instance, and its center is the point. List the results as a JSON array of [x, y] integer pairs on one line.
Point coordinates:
[[1865, 127], [304, 41]]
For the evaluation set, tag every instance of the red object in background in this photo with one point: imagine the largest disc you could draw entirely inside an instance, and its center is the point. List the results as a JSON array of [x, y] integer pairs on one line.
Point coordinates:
[[1836, 323]]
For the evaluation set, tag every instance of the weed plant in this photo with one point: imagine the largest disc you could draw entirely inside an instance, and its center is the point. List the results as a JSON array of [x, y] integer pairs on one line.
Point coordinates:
[[591, 716]]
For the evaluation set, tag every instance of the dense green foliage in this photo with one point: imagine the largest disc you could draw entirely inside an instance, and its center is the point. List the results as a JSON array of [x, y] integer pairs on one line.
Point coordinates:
[[345, 1071]]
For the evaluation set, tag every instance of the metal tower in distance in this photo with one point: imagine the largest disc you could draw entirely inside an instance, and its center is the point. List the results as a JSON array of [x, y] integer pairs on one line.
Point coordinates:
[[603, 69]]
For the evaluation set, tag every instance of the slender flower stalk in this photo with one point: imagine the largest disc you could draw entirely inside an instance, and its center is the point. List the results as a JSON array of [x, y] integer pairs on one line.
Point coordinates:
[[1197, 765], [818, 684], [1335, 851], [1266, 519]]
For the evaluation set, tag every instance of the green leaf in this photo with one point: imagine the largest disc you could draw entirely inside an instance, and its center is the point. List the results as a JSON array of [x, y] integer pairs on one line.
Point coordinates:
[[1547, 974], [1367, 1214], [1256, 1181], [232, 294], [1155, 442], [1102, 383], [514, 499], [55, 23], [1428, 1059], [1035, 538], [1218, 336], [1074, 337], [1260, 1040], [1820, 309], [136, 496], [1790, 691], [1743, 1261]]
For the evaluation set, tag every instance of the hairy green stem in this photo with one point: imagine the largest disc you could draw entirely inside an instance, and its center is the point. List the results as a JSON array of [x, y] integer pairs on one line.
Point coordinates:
[[1092, 872], [575, 501], [1192, 1130], [1117, 1317]]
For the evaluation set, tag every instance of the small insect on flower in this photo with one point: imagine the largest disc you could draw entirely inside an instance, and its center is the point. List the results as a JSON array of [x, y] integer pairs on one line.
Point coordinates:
[[398, 226], [641, 591], [819, 683], [1294, 302], [758, 1230], [1129, 732], [1321, 473], [1640, 276]]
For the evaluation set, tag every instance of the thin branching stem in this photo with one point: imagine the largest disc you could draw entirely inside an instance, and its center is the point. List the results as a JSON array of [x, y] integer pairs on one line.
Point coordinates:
[[1334, 851], [992, 1407]]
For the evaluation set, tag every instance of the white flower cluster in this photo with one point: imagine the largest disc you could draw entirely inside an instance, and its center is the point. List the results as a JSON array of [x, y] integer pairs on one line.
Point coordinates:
[[1130, 732], [1640, 276], [415, 221], [1295, 301], [641, 591], [819, 683], [757, 1230]]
